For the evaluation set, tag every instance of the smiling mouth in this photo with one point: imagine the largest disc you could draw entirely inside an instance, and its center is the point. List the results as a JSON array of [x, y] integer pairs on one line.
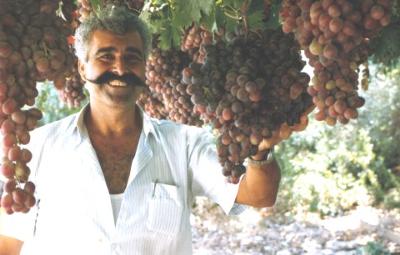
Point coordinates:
[[117, 83]]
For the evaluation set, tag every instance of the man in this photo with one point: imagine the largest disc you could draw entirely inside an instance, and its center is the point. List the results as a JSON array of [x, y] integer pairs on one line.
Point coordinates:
[[152, 170]]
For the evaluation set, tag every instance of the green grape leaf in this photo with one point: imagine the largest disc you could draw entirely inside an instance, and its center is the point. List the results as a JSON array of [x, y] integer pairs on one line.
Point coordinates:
[[220, 17], [255, 19], [96, 4], [256, 5], [189, 11], [223, 20], [165, 39], [176, 32], [210, 20], [236, 4], [273, 19]]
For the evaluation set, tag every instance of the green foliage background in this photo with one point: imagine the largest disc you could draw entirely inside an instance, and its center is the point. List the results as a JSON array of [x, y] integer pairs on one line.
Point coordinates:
[[48, 102], [333, 169]]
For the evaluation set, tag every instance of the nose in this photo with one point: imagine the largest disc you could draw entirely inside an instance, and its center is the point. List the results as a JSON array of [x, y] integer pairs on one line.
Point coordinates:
[[119, 66]]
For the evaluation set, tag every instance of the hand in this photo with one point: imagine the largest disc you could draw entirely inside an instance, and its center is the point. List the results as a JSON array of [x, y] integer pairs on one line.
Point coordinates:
[[267, 144]]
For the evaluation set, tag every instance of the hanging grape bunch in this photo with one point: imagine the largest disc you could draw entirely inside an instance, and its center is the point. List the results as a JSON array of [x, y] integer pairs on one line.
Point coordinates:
[[151, 105], [194, 40], [267, 97], [72, 92], [178, 104], [47, 34], [252, 91], [205, 81], [164, 78], [84, 9], [335, 36], [33, 47]]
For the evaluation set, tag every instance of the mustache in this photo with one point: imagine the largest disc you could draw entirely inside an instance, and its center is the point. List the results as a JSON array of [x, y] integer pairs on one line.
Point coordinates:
[[129, 78]]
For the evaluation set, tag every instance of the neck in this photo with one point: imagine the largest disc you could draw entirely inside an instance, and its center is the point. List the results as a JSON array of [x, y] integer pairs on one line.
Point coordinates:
[[113, 121]]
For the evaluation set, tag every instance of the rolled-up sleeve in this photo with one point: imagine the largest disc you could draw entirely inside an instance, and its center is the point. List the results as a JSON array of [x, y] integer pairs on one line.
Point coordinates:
[[207, 178]]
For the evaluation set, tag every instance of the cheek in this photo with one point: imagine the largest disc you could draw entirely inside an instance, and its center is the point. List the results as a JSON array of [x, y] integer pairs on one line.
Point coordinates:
[[141, 72], [94, 70]]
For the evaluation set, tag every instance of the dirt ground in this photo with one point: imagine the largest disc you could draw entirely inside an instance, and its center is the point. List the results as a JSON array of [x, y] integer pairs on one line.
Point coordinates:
[[365, 230]]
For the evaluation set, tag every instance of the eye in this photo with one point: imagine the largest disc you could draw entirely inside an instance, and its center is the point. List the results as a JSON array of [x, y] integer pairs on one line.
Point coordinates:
[[106, 57], [133, 59]]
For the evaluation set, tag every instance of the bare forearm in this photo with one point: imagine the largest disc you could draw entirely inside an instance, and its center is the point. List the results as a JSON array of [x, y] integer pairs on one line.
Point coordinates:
[[10, 246], [259, 187]]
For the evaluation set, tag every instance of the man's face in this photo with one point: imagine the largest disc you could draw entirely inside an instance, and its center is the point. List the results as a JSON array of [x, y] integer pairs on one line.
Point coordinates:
[[115, 68]]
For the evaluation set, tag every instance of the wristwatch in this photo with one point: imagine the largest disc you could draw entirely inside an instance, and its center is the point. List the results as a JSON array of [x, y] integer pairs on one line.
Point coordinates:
[[269, 157]]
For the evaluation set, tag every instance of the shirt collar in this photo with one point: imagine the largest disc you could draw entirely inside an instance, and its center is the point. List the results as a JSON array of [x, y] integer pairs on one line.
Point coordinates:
[[148, 127], [79, 124]]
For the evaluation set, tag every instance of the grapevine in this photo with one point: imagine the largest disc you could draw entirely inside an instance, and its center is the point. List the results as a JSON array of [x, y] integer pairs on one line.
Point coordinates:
[[85, 7], [33, 47], [335, 36], [164, 78], [250, 88], [265, 97]]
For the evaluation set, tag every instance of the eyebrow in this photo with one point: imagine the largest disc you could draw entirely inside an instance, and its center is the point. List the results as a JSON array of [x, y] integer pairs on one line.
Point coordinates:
[[112, 49]]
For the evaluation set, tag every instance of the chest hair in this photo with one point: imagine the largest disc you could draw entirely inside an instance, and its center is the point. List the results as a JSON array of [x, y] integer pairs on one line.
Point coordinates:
[[116, 168]]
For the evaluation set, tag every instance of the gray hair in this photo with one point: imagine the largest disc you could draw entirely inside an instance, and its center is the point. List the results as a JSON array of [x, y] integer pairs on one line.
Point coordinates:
[[118, 20]]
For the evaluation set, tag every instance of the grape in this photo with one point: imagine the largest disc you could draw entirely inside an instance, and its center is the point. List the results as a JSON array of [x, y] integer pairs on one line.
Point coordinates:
[[8, 169], [71, 91], [171, 85], [18, 117], [9, 140], [9, 106], [334, 36], [14, 153], [30, 201], [19, 196], [25, 155], [7, 201], [29, 187], [84, 8], [240, 92], [34, 40], [7, 127], [194, 41], [10, 185], [249, 87], [152, 106]]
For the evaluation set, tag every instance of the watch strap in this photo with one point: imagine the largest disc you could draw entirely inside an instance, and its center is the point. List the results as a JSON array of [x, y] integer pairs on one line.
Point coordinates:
[[269, 158]]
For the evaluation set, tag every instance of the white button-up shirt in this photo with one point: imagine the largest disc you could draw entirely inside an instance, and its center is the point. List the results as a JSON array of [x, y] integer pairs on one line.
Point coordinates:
[[173, 164]]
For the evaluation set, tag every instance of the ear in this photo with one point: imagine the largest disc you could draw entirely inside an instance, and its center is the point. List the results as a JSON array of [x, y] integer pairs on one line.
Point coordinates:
[[81, 70]]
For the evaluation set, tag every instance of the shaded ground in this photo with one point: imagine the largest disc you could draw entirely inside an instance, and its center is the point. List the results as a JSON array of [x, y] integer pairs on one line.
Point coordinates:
[[363, 231]]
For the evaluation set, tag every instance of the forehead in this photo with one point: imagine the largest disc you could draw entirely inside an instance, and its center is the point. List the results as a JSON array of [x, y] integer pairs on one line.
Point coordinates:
[[106, 39]]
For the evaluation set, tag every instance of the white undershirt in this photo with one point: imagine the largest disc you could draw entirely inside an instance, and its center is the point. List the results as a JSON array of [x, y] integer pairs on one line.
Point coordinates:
[[116, 200]]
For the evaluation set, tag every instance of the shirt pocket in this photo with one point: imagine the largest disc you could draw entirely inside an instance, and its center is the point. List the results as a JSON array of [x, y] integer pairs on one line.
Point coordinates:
[[165, 209]]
